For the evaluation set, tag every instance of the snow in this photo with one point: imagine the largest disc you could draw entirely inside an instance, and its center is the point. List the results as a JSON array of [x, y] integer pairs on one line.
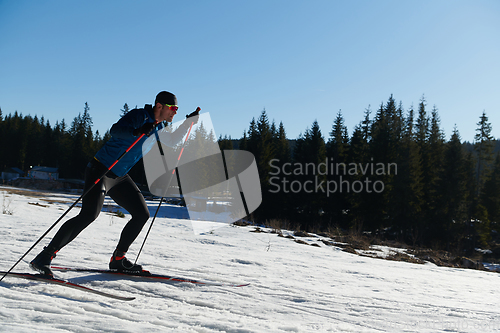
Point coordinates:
[[293, 287]]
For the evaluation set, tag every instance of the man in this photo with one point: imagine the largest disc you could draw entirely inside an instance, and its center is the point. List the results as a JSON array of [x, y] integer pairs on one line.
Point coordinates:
[[116, 183]]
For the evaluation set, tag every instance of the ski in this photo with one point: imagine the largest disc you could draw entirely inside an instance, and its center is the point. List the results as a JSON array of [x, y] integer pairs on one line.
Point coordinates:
[[48, 279], [149, 276]]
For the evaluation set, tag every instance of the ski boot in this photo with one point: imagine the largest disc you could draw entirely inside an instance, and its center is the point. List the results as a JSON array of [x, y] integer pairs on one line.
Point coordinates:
[[42, 261], [119, 263]]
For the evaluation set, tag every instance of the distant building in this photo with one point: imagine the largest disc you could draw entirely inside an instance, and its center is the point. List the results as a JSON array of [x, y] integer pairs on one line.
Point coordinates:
[[12, 173], [41, 172]]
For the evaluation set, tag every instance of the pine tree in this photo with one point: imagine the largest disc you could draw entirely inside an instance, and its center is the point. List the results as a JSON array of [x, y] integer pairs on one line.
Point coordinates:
[[407, 196], [24, 131], [282, 146], [265, 149], [62, 144], [366, 125], [125, 110], [309, 153], [315, 144], [337, 151], [433, 174], [282, 204], [48, 151], [453, 191], [390, 135], [260, 142], [383, 149], [82, 145], [252, 137], [337, 146], [243, 144], [357, 203], [483, 145], [422, 125], [394, 116], [34, 147]]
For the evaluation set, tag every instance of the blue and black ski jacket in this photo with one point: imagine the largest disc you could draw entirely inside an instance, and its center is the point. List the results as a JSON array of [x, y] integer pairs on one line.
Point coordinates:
[[122, 138]]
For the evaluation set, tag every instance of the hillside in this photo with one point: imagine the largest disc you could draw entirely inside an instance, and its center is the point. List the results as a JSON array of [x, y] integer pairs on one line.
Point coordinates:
[[293, 287]]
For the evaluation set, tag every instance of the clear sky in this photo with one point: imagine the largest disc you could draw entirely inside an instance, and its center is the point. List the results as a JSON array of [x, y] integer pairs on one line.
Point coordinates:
[[300, 60]]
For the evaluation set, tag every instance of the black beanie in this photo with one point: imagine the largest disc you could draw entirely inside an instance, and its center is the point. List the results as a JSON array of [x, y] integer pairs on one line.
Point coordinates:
[[165, 97]]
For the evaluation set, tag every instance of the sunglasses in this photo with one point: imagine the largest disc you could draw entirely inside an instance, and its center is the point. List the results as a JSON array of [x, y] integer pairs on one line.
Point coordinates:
[[172, 107]]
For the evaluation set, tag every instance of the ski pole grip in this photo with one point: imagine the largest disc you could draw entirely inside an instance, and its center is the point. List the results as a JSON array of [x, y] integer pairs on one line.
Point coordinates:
[[194, 113]]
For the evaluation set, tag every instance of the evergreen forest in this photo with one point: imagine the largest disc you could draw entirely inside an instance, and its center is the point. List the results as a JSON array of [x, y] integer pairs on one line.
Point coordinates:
[[395, 175], [31, 141]]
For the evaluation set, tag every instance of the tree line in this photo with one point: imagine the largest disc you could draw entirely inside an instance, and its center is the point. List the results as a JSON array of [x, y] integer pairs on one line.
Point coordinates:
[[395, 175], [31, 141]]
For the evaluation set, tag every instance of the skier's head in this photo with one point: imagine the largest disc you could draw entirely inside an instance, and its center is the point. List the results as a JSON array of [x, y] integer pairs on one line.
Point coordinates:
[[165, 97], [165, 106]]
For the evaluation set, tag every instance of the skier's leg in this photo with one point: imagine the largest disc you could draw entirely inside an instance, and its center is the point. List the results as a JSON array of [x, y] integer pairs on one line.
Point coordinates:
[[127, 195], [91, 206]]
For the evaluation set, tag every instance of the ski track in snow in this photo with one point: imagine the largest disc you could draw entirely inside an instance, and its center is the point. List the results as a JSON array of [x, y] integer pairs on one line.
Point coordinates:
[[293, 287]]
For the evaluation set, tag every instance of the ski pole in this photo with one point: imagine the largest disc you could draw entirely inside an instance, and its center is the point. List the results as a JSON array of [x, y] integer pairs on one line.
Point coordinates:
[[170, 178], [73, 205]]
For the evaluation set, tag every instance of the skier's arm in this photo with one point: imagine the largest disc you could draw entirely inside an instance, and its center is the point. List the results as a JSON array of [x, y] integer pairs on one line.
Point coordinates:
[[170, 139], [128, 125]]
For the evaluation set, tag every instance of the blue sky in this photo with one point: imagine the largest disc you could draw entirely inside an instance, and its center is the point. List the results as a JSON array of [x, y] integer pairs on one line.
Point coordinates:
[[300, 60]]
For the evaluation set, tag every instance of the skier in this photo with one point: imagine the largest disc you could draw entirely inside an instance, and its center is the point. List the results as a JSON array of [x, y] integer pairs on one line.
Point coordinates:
[[116, 183]]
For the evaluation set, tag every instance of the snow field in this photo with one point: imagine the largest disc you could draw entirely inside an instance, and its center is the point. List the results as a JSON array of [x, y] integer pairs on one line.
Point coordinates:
[[294, 287]]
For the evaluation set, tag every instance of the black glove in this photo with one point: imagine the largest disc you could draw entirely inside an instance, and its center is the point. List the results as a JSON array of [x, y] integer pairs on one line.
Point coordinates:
[[144, 129], [195, 113], [193, 117]]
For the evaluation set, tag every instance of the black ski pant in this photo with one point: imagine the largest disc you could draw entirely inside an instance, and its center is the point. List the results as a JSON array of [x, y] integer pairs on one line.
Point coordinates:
[[122, 190]]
